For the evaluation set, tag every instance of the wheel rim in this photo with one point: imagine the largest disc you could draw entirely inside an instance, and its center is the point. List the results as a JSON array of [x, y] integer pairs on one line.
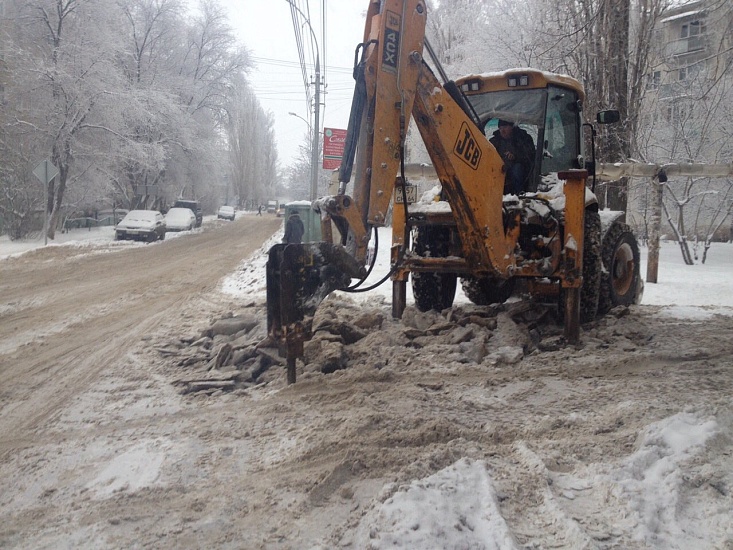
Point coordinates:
[[622, 272]]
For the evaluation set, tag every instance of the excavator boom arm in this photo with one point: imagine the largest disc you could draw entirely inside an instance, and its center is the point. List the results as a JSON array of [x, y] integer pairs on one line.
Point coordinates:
[[399, 85], [394, 84]]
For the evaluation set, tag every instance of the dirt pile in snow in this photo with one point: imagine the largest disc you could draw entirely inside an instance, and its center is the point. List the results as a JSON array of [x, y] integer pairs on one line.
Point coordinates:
[[567, 435], [234, 352]]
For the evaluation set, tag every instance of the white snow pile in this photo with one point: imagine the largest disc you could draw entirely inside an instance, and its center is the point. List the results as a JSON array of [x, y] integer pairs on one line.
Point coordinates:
[[456, 507], [650, 480]]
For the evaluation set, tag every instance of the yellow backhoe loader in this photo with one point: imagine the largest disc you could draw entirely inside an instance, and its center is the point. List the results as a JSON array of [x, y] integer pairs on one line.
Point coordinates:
[[549, 232]]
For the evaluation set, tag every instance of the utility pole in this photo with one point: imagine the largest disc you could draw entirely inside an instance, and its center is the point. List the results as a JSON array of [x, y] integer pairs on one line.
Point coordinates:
[[315, 149], [316, 144]]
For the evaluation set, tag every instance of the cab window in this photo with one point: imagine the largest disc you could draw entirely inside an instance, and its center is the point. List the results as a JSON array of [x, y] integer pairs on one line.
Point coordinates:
[[562, 120]]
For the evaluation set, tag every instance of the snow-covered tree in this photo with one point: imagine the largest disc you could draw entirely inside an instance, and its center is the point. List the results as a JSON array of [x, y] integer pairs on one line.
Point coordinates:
[[127, 98], [252, 148]]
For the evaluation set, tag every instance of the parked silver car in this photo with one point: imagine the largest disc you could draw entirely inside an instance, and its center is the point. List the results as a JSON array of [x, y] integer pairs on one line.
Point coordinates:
[[180, 219], [148, 225], [226, 213]]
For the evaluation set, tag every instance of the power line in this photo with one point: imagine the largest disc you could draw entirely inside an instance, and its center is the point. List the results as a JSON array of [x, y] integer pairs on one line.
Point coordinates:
[[273, 61], [324, 22], [299, 45]]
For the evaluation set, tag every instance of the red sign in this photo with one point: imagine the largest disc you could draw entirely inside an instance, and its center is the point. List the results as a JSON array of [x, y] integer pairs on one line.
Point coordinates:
[[333, 147]]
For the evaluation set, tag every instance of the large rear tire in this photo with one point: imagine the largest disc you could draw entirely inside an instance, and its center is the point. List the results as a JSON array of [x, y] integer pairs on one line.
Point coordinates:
[[592, 270], [433, 290], [620, 281], [592, 267], [486, 291]]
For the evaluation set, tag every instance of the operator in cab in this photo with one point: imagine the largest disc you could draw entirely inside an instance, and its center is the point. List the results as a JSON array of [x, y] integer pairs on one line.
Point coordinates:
[[516, 148]]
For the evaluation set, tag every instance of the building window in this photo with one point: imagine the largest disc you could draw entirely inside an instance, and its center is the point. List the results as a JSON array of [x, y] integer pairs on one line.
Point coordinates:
[[653, 80], [693, 28]]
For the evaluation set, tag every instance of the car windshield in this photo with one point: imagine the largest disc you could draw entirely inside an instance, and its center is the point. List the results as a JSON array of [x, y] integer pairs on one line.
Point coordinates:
[[179, 214], [140, 216]]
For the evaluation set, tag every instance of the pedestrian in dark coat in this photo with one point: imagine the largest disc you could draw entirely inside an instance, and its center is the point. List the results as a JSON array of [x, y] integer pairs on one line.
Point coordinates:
[[294, 229]]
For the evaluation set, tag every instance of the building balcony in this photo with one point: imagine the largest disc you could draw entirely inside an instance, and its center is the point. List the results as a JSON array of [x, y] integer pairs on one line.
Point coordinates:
[[685, 46], [674, 90]]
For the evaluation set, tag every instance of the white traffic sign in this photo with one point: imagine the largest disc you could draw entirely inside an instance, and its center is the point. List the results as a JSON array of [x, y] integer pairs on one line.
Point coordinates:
[[45, 171]]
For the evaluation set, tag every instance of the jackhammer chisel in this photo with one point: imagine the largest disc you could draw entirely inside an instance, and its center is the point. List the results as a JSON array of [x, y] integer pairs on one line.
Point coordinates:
[[299, 277]]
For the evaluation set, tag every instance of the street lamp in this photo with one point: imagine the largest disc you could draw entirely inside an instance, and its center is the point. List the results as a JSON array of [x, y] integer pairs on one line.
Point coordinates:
[[315, 149], [310, 129]]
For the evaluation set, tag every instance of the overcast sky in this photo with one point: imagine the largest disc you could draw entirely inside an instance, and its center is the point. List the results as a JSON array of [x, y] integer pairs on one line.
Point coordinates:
[[266, 28]]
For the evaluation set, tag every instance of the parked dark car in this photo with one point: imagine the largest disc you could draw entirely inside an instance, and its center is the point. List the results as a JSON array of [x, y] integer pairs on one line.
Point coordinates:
[[147, 225], [193, 206]]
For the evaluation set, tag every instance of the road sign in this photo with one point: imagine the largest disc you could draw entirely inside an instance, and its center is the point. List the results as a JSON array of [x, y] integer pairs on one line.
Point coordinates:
[[334, 140], [45, 171]]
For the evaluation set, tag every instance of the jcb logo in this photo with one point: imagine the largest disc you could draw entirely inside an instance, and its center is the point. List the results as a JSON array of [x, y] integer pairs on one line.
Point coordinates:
[[391, 43], [467, 148]]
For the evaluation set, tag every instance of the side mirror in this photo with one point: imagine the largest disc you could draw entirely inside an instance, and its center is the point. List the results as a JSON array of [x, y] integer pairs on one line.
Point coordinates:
[[608, 117]]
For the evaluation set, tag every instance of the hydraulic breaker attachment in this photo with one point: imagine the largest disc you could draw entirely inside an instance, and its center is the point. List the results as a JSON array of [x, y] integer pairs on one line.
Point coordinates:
[[572, 280], [299, 277]]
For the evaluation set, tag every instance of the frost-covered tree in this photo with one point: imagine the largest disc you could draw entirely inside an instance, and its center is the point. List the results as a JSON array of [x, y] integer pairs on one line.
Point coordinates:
[[688, 117], [127, 98], [252, 148], [63, 78], [186, 79]]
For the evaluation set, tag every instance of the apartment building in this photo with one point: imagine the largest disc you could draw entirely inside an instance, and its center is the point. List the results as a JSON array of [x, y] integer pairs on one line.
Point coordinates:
[[687, 113], [692, 44]]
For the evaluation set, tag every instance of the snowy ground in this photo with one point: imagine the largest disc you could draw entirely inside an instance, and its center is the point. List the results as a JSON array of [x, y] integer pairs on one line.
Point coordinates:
[[458, 507], [668, 487], [94, 237], [679, 285]]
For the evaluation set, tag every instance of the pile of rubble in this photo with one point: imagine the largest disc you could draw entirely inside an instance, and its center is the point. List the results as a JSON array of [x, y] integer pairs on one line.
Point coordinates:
[[235, 351]]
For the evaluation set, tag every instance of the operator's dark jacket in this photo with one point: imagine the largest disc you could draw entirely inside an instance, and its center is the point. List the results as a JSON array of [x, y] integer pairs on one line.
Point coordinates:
[[294, 229], [520, 145]]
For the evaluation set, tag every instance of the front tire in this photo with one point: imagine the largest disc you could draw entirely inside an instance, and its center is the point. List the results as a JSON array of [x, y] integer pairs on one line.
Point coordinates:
[[433, 290], [486, 291], [592, 270], [620, 281]]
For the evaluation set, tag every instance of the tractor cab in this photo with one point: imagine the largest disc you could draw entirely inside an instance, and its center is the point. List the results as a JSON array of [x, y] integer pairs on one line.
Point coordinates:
[[548, 107]]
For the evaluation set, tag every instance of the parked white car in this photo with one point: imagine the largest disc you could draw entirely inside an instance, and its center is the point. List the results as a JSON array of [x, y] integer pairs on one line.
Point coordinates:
[[180, 219], [148, 225], [226, 213]]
